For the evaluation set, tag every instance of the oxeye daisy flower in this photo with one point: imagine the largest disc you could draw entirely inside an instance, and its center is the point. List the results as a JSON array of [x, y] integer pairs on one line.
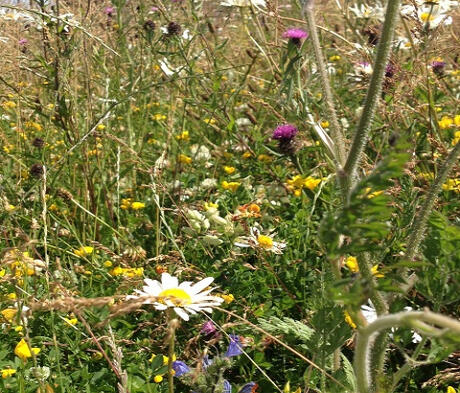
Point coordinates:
[[260, 241], [295, 35], [184, 298]]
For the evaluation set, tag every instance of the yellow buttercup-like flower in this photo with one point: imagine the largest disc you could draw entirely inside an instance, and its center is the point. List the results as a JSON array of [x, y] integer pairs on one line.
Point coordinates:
[[23, 351], [84, 251], [232, 186], [8, 372]]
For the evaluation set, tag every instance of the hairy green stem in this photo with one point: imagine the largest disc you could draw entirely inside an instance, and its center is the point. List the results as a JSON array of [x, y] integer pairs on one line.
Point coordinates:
[[419, 225], [416, 234], [308, 11], [365, 268], [373, 93], [366, 339]]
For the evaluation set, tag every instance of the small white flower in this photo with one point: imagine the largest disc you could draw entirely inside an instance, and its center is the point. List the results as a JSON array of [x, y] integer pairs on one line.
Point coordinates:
[[185, 298], [243, 3], [364, 11], [259, 241]]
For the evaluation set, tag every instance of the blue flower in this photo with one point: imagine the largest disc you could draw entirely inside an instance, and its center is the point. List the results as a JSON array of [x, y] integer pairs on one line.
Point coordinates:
[[180, 368], [234, 348], [248, 388], [227, 387], [206, 362]]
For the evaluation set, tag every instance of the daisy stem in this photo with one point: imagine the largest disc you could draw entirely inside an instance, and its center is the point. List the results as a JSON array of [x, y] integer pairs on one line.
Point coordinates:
[[171, 338]]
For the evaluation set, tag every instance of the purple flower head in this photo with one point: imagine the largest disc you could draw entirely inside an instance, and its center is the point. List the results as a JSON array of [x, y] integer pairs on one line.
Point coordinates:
[[234, 348], [390, 70], [22, 41], [180, 368], [154, 9], [438, 67], [285, 132], [208, 328], [295, 34], [109, 11], [248, 388], [227, 387]]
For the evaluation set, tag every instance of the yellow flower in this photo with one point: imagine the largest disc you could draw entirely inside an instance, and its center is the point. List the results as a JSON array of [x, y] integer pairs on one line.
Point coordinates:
[[126, 203], [158, 378], [11, 296], [127, 272], [108, 263], [232, 186], [349, 320], [334, 58], [451, 185], [9, 105], [8, 372], [370, 194], [84, 251], [311, 183], [352, 264], [297, 183], [426, 17], [457, 120], [158, 117], [2, 273], [71, 321], [100, 127], [23, 351], [450, 389], [264, 158], [9, 314], [229, 170], [324, 124], [210, 121], [184, 136], [445, 122], [228, 298], [137, 205], [183, 159], [247, 155]]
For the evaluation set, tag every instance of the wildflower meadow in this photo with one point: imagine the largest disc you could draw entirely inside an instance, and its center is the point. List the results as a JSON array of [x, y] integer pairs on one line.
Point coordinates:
[[229, 196]]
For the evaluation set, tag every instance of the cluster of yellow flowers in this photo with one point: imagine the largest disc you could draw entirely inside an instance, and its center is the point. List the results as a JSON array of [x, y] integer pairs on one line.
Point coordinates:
[[448, 122], [298, 182], [352, 264], [128, 203], [128, 272], [184, 159], [183, 136]]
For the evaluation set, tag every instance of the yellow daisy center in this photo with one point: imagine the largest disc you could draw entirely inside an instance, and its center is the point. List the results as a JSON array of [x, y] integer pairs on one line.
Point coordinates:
[[426, 17], [265, 241], [178, 296]]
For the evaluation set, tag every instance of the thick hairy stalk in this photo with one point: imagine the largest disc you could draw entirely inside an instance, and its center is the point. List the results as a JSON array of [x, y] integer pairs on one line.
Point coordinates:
[[416, 234], [308, 12], [366, 338], [373, 93]]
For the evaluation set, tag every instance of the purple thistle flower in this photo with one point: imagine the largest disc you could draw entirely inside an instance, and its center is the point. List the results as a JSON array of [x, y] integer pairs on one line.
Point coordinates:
[[295, 35], [109, 11], [208, 328], [248, 388], [234, 348], [285, 132], [438, 67], [227, 387], [180, 368], [390, 70]]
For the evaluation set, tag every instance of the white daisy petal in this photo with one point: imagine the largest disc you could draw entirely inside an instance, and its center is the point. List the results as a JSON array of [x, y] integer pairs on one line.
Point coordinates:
[[179, 311], [199, 286]]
